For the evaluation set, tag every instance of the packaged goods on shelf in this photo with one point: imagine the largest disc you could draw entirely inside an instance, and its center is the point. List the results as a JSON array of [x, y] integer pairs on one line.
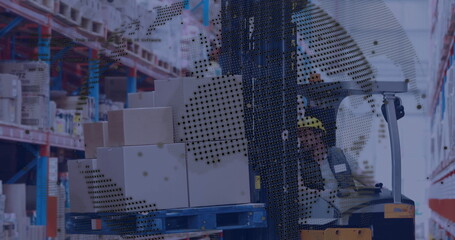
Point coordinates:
[[52, 114], [68, 122], [140, 126], [8, 108], [175, 43], [10, 99], [34, 76], [168, 47], [112, 17], [190, 50], [219, 99], [15, 199], [80, 172], [160, 170], [10, 227], [69, 10], [106, 106], [95, 135], [217, 180], [30, 194], [36, 232], [82, 103], [59, 124], [35, 111], [91, 19], [10, 86], [52, 189], [117, 106], [141, 99], [61, 231], [46, 5], [23, 225], [129, 11], [116, 88], [147, 19]]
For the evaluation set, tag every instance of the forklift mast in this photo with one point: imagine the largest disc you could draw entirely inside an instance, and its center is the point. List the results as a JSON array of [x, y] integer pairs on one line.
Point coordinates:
[[258, 41]]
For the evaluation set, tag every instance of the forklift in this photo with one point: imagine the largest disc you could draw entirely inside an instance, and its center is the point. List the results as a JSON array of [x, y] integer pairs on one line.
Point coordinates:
[[259, 41]]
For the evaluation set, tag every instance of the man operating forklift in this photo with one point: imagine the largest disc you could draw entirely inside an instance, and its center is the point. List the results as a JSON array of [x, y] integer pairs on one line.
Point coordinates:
[[326, 172]]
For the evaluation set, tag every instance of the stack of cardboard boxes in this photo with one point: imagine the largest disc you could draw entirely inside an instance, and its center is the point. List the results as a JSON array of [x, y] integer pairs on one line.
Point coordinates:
[[180, 146], [10, 99], [34, 79]]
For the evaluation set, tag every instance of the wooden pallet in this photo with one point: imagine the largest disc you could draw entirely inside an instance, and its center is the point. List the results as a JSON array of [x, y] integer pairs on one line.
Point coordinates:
[[245, 216]]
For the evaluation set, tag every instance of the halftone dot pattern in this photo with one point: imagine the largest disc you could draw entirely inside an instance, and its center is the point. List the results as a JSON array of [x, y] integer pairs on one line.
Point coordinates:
[[107, 197], [329, 49], [385, 37], [165, 14], [213, 152], [215, 118], [215, 111]]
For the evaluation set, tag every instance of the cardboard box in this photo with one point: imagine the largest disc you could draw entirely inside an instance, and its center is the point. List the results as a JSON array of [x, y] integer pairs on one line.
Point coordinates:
[[140, 126], [116, 88], [15, 199], [78, 170], [216, 176], [150, 173], [95, 135], [35, 111], [141, 100], [9, 86], [34, 76], [10, 99], [8, 110], [204, 109]]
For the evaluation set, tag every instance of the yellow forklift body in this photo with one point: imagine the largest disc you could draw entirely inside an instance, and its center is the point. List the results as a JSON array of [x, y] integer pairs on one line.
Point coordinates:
[[337, 234]]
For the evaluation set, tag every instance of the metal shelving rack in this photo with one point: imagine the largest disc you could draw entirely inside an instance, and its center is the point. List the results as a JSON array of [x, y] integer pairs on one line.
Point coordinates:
[[42, 28], [442, 222]]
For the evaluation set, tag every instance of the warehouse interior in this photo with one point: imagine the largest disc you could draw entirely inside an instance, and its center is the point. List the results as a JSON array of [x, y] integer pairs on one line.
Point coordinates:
[[227, 119]]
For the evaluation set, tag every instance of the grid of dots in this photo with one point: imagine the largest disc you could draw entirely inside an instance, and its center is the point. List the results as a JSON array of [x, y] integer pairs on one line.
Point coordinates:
[[332, 51], [215, 112], [165, 14], [214, 151], [107, 197]]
